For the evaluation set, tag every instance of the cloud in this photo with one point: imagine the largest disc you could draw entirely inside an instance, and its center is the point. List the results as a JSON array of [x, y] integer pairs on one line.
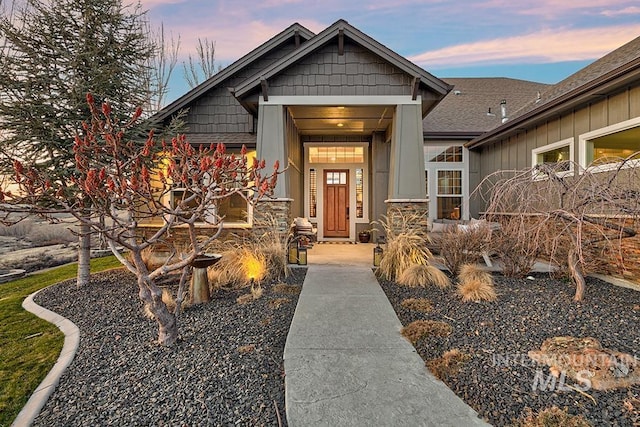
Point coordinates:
[[553, 8], [149, 4], [631, 10], [540, 47], [234, 39]]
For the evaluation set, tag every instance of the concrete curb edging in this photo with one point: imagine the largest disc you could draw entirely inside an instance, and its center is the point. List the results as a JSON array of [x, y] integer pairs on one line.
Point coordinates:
[[71, 341]]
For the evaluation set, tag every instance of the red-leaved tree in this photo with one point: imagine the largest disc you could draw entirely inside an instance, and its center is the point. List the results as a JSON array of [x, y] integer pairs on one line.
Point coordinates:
[[129, 183]]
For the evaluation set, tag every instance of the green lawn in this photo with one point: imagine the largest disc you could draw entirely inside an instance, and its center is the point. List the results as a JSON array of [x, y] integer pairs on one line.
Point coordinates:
[[29, 346]]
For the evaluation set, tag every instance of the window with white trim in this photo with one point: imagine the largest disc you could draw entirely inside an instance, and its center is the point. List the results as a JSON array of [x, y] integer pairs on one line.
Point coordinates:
[[449, 196], [604, 148], [234, 209], [557, 156]]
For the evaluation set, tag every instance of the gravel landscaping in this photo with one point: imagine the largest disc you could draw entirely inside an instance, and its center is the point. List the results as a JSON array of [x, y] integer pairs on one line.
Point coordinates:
[[498, 378], [225, 370]]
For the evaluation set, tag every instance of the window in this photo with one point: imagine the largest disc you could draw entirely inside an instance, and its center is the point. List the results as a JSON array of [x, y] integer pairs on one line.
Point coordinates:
[[607, 146], [359, 193], [449, 197], [558, 156], [443, 154], [336, 154], [313, 193], [233, 209], [426, 180], [336, 178]]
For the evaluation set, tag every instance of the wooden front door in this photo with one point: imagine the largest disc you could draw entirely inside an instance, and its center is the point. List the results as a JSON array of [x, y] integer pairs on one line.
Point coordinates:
[[336, 203]]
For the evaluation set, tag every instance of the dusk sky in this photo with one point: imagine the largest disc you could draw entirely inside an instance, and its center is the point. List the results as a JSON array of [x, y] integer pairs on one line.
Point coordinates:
[[542, 40]]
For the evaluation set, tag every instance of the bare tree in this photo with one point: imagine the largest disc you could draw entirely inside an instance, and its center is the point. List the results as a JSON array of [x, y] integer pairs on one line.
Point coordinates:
[[203, 66], [573, 212], [129, 183]]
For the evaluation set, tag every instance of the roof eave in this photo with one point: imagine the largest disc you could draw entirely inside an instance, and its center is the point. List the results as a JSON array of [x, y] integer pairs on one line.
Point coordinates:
[[227, 72], [325, 36], [607, 82]]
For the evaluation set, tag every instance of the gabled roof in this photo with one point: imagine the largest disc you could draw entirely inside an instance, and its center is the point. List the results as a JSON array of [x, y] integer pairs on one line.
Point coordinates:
[[357, 36], [608, 73], [232, 69], [473, 106]]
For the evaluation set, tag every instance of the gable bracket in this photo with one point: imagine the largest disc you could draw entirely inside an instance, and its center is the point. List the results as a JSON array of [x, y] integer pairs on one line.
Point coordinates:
[[296, 36], [265, 88], [340, 42], [416, 86]]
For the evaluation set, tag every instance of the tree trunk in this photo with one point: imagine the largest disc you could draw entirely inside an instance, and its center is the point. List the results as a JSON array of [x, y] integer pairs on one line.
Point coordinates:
[[576, 274], [151, 295], [84, 255]]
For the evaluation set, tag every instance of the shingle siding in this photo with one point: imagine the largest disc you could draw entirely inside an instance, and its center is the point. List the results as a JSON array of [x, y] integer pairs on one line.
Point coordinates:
[[357, 72], [218, 111]]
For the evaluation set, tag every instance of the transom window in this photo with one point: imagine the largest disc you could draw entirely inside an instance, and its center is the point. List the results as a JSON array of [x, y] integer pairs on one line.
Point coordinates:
[[439, 154], [336, 154]]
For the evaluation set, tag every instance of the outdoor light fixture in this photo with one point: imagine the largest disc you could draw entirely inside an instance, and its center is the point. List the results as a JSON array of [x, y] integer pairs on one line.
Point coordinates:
[[302, 255], [293, 252], [377, 254]]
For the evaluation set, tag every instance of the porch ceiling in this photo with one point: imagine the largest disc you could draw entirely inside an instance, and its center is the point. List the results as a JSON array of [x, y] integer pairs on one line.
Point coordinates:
[[341, 120]]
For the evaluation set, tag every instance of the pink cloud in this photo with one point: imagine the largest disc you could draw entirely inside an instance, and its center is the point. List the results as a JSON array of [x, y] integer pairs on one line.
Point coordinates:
[[234, 38], [631, 10], [540, 47]]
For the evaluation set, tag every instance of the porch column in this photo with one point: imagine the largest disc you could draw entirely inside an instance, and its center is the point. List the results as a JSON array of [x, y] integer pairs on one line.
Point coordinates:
[[407, 185], [406, 177], [271, 144]]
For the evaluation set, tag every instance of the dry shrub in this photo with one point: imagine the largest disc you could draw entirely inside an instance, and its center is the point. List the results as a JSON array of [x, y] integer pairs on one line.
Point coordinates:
[[278, 302], [423, 275], [18, 230], [551, 417], [283, 288], [476, 291], [475, 284], [464, 247], [244, 299], [51, 234], [473, 272], [238, 267], [422, 305], [448, 365], [249, 348], [151, 257], [256, 291], [272, 244], [518, 243], [631, 406], [406, 245], [419, 329]]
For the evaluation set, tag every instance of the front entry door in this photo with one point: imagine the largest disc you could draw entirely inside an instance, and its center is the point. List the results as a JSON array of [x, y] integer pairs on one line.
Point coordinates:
[[336, 203]]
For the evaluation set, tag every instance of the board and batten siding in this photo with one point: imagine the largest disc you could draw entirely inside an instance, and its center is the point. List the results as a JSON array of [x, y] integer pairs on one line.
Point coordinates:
[[514, 152]]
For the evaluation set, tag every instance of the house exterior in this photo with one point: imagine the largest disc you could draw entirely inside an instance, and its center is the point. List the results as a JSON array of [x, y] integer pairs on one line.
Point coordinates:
[[592, 115], [363, 130]]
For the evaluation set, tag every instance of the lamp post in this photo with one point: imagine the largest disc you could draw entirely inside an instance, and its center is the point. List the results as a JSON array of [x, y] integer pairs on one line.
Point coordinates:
[[293, 252], [302, 255], [377, 254]]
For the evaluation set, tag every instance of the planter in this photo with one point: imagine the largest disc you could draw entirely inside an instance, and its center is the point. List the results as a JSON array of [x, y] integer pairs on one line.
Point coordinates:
[[364, 237]]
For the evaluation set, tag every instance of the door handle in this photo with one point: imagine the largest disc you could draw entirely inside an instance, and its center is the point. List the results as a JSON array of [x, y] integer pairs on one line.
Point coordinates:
[[347, 212]]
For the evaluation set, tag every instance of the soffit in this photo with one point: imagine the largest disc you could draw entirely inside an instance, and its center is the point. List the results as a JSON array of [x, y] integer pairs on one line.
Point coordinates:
[[355, 120]]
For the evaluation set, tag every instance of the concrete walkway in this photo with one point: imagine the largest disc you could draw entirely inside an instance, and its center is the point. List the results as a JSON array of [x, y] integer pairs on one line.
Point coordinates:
[[345, 361]]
